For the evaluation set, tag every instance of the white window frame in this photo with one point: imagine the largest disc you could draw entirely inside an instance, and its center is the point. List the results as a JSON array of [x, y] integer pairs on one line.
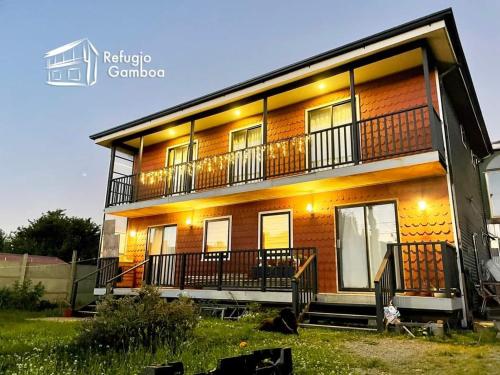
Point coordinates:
[[161, 226], [264, 213], [204, 256], [327, 104], [488, 184], [230, 146]]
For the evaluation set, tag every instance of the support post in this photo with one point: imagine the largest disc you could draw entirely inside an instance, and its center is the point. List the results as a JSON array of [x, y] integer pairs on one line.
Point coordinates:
[[220, 271], [72, 274], [138, 169], [24, 266], [264, 138], [436, 136], [354, 113], [110, 174], [183, 272], [264, 271], [188, 179]]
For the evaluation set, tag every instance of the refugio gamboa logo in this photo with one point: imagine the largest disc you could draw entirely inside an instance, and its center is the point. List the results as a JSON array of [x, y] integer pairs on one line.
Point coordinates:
[[75, 64]]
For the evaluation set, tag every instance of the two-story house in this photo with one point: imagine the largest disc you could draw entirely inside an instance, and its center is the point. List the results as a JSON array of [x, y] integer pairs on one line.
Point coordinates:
[[339, 180]]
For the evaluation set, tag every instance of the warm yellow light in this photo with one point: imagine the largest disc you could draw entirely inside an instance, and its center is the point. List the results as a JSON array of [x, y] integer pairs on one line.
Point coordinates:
[[321, 86], [132, 233], [188, 221], [237, 112], [422, 205], [171, 131], [309, 208]]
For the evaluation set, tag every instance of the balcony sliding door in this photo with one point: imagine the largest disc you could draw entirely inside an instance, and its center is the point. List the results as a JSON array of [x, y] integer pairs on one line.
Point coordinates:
[[330, 135], [177, 158], [246, 162], [363, 233], [161, 245]]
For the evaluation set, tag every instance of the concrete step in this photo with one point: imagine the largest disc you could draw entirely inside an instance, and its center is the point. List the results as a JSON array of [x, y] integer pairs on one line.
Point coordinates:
[[343, 328], [328, 315]]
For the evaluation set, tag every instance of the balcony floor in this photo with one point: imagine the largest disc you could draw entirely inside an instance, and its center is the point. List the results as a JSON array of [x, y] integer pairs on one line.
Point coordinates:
[[397, 169]]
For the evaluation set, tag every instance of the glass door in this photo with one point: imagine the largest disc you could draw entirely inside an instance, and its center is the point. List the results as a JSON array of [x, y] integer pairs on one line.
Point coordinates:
[[330, 135], [162, 242], [177, 158], [247, 162], [363, 233]]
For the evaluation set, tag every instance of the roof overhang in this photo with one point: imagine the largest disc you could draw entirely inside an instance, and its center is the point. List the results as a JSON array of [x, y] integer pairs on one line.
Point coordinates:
[[437, 30]]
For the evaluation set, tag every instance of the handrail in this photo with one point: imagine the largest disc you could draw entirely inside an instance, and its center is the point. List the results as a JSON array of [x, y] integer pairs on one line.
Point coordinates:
[[108, 282], [305, 286], [74, 288], [385, 285], [306, 264]]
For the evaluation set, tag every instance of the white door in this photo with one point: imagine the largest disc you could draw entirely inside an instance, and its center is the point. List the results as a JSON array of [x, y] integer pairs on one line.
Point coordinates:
[[363, 234], [162, 243], [247, 162]]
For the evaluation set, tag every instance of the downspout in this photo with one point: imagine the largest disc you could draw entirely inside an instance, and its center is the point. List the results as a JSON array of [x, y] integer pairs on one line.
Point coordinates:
[[451, 194]]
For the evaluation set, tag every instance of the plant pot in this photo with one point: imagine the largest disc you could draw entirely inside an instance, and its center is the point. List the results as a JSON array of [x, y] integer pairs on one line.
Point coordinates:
[[68, 312]]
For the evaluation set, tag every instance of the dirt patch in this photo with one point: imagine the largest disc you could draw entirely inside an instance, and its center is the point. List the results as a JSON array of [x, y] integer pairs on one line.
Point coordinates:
[[59, 319], [395, 352]]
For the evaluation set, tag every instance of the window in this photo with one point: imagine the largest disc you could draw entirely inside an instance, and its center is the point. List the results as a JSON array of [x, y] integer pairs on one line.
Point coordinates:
[[217, 235], [330, 134], [177, 157], [162, 240], [74, 74], [275, 230], [493, 185], [246, 164]]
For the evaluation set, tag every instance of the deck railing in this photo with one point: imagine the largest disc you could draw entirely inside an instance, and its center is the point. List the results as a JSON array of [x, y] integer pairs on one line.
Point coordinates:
[[305, 286], [386, 136], [259, 270], [419, 268]]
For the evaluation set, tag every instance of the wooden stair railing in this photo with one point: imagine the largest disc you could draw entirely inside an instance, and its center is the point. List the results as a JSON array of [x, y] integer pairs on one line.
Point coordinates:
[[109, 283], [385, 285], [305, 286]]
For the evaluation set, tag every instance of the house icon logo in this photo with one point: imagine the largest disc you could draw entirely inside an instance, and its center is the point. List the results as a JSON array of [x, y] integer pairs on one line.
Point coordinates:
[[74, 64]]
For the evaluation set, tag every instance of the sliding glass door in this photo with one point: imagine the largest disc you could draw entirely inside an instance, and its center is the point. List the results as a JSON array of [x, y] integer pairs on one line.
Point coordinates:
[[247, 159], [363, 233], [162, 241]]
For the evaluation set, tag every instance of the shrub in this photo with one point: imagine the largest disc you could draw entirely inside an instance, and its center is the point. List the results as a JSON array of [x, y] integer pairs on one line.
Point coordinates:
[[24, 296], [143, 320]]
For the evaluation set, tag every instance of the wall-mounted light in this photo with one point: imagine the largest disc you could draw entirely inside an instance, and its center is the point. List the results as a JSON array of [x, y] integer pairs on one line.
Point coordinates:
[[188, 221], [422, 205], [132, 233], [310, 208]]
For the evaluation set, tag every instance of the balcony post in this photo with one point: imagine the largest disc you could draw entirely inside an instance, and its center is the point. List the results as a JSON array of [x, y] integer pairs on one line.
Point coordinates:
[[354, 113], [138, 170], [110, 174], [182, 277], [436, 137], [264, 137], [189, 178], [264, 271]]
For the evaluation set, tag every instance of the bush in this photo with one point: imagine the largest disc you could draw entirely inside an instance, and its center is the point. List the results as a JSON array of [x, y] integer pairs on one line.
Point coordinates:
[[144, 320], [23, 296]]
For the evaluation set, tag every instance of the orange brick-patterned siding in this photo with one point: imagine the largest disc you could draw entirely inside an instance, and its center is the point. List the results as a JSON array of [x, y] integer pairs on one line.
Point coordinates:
[[382, 96], [311, 230]]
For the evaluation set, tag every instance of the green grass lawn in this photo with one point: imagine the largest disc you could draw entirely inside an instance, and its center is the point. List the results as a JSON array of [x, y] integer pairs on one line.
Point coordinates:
[[45, 347]]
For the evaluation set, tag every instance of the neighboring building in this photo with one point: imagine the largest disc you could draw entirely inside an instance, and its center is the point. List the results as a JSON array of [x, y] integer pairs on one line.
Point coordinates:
[[345, 174], [74, 64], [491, 183]]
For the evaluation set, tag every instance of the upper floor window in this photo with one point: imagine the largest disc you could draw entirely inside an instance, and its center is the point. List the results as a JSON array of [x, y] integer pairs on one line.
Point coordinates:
[[217, 235], [275, 230], [493, 185], [246, 162], [329, 129]]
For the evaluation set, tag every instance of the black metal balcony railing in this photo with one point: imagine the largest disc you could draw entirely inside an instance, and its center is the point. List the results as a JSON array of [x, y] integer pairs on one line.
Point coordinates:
[[260, 270], [421, 268], [390, 135]]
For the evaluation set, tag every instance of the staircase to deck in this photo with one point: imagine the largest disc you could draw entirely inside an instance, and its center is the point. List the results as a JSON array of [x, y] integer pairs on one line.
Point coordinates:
[[340, 316]]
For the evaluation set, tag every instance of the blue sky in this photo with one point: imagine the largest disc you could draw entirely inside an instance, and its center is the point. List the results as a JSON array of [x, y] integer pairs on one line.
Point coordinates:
[[47, 159]]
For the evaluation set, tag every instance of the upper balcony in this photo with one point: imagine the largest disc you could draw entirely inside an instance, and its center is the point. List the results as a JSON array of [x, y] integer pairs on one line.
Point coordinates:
[[373, 123]]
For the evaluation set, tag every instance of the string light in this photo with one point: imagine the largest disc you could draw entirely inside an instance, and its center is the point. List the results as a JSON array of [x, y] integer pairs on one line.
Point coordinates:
[[220, 162]]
